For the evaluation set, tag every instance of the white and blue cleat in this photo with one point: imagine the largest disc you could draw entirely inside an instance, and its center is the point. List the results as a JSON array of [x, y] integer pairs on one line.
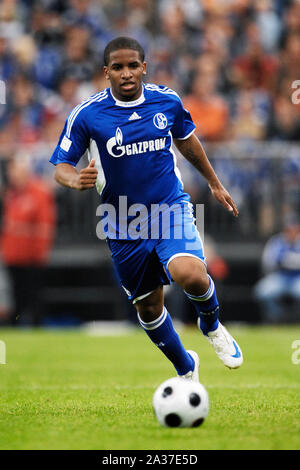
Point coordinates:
[[225, 346], [193, 375]]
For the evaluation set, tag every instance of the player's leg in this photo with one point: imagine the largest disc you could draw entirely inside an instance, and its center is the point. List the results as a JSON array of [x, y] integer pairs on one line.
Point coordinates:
[[142, 277], [157, 323], [180, 250], [190, 273]]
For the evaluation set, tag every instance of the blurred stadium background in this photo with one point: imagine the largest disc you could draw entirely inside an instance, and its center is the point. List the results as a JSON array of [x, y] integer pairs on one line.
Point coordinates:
[[234, 63]]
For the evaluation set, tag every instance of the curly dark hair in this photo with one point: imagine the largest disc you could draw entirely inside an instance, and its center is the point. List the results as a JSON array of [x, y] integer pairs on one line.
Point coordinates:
[[123, 42]]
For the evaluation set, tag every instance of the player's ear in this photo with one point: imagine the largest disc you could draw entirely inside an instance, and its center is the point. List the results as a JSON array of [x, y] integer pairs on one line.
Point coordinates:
[[106, 74], [144, 68]]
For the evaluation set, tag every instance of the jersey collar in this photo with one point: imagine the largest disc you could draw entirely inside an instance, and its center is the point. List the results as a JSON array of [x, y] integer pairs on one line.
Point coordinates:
[[129, 104]]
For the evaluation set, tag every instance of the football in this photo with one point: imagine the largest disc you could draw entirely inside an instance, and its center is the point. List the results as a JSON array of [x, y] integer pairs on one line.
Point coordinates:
[[182, 403]]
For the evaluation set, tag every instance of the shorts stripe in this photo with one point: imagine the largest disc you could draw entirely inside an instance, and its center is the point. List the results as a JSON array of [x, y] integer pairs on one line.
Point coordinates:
[[141, 297], [177, 255]]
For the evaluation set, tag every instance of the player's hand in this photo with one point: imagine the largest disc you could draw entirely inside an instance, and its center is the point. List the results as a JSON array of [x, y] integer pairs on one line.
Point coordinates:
[[223, 196], [87, 176]]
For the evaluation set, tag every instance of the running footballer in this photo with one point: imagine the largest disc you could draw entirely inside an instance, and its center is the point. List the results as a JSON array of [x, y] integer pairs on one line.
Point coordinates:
[[129, 129]]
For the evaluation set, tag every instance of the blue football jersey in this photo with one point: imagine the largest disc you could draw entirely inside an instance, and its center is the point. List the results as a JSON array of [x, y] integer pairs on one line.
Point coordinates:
[[132, 144]]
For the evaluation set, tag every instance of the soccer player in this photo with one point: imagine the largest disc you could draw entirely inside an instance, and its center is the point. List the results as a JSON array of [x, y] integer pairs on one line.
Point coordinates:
[[128, 130]]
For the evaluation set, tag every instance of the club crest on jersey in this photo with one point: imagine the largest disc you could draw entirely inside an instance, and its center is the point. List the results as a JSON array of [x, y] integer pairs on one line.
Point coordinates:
[[160, 121], [116, 148]]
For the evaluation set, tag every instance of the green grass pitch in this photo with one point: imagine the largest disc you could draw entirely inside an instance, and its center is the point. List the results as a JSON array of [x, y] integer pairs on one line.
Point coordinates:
[[68, 390]]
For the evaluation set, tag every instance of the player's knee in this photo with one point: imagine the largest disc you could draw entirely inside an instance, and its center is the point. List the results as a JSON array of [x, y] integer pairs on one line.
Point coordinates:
[[150, 308], [193, 281], [190, 274], [149, 312]]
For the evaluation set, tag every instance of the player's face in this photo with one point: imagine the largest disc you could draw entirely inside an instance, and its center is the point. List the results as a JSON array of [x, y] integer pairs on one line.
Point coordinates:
[[125, 71]]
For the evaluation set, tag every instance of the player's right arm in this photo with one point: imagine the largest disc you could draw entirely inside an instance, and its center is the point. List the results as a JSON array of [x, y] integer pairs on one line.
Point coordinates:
[[72, 144], [66, 175]]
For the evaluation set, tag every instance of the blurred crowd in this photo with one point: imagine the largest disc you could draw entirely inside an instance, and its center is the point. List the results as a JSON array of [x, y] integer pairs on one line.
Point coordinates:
[[233, 62]]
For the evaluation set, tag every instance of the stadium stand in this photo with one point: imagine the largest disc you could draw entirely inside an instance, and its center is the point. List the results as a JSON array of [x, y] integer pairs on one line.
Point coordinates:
[[234, 64]]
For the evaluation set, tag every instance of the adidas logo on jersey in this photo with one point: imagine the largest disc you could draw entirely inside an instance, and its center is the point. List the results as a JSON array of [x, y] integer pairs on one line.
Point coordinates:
[[134, 116]]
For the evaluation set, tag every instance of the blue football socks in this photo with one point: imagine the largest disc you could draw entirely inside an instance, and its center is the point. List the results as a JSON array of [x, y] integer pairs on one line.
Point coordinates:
[[162, 333], [207, 308]]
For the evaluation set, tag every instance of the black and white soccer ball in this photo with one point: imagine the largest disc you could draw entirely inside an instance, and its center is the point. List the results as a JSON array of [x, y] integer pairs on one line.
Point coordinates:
[[182, 403]]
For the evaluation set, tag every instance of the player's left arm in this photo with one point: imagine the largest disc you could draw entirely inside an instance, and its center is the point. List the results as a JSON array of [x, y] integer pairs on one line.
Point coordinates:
[[193, 151]]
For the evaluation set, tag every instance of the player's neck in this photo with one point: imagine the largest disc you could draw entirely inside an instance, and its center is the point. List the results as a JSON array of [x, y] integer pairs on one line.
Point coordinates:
[[138, 98]]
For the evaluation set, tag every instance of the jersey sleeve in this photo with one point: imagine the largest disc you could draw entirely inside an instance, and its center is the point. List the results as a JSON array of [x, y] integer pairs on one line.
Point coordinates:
[[73, 142], [183, 125]]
